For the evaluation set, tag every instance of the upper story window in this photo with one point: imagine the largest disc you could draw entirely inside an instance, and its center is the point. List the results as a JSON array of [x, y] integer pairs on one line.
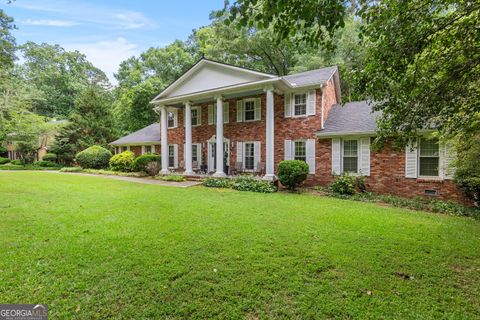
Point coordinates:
[[196, 120], [350, 156], [171, 119], [249, 110], [428, 158], [300, 152], [300, 104]]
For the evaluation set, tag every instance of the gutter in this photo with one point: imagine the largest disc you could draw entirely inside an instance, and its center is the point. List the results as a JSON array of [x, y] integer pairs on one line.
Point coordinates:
[[327, 135]]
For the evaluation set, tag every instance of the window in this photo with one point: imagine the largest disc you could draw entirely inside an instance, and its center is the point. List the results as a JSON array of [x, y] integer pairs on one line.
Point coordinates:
[[428, 158], [195, 117], [249, 110], [148, 149], [249, 156], [194, 152], [350, 156], [300, 151], [171, 155], [171, 120], [300, 104], [124, 149]]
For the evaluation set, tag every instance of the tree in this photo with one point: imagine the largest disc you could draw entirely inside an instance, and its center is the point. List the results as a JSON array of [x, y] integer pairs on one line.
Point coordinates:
[[60, 75], [90, 124], [7, 41], [141, 78], [423, 66]]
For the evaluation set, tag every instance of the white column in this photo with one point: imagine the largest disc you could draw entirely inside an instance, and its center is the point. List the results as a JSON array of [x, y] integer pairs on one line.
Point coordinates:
[[219, 151], [188, 139], [269, 136], [164, 140]]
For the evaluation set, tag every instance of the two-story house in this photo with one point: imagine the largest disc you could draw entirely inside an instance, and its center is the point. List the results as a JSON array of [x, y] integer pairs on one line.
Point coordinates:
[[221, 119]]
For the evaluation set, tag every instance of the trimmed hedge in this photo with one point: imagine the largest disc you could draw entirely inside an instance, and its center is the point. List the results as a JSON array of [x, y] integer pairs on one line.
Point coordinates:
[[173, 177], [292, 173], [241, 184], [4, 160], [48, 164], [95, 157], [140, 163], [217, 183], [71, 169], [122, 162], [52, 157], [16, 162]]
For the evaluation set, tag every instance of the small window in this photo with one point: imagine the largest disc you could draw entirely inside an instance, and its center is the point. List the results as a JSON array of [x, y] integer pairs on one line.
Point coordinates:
[[249, 156], [428, 158], [300, 104], [300, 151], [195, 117], [171, 156], [171, 119], [148, 149], [124, 149], [350, 156], [249, 110], [194, 152]]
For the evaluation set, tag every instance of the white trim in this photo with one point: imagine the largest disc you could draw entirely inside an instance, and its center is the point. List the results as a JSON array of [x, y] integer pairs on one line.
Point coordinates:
[[255, 101], [175, 117], [199, 115]]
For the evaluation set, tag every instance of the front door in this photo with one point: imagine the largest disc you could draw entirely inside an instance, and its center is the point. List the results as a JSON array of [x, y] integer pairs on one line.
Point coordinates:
[[212, 158]]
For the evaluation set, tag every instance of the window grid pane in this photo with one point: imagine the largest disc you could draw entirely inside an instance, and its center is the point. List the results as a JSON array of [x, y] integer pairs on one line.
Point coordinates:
[[300, 151], [250, 110], [194, 152], [428, 158], [300, 104], [428, 148], [171, 119], [249, 156], [194, 117], [171, 156], [350, 156]]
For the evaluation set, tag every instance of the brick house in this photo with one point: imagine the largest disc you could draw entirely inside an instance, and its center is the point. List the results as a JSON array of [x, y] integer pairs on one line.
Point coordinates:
[[264, 119]]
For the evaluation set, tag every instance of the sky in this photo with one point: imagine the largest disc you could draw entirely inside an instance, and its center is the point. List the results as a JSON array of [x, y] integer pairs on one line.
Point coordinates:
[[108, 31]]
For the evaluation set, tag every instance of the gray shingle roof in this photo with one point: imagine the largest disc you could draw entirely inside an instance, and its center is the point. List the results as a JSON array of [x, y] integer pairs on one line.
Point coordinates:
[[147, 134], [310, 77], [350, 118]]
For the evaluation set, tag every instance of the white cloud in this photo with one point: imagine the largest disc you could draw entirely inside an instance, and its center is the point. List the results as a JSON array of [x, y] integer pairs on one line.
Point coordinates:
[[50, 23], [106, 55]]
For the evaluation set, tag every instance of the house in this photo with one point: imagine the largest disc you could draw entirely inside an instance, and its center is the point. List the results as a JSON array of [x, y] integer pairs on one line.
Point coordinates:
[[263, 119]]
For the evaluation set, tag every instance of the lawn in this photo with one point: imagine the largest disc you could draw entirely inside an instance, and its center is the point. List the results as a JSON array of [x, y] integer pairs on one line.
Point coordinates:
[[91, 247]]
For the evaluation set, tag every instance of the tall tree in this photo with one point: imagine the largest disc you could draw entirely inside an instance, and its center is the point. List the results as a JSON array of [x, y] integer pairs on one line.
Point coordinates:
[[60, 75], [91, 123], [7, 41], [141, 78]]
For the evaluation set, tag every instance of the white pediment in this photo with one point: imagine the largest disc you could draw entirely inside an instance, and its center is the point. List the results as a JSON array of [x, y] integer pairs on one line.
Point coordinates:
[[208, 75]]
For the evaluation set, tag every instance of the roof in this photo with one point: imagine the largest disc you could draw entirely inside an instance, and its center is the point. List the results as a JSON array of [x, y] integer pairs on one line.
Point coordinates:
[[311, 77], [146, 135], [351, 118]]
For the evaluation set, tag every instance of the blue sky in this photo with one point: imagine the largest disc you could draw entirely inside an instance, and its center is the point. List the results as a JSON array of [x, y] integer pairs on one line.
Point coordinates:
[[108, 31]]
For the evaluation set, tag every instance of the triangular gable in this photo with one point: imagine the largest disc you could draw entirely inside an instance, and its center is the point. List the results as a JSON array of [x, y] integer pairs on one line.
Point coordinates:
[[207, 75]]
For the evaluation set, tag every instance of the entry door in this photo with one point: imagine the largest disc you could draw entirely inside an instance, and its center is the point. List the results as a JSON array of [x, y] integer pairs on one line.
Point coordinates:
[[212, 158]]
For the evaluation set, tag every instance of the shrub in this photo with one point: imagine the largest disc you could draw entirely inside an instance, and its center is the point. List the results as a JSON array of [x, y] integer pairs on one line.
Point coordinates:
[[122, 161], [95, 157], [292, 173], [71, 169], [140, 163], [252, 184], [173, 177], [152, 168], [343, 184], [50, 157], [17, 162], [4, 160], [217, 183], [48, 164]]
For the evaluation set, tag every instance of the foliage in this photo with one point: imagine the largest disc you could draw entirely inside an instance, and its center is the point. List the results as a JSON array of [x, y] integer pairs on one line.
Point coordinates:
[[92, 123], [348, 184], [94, 157], [17, 162], [21, 167], [292, 173], [60, 75], [467, 170], [172, 177], [141, 78], [44, 163], [122, 161], [217, 182], [114, 173], [140, 163], [50, 157], [152, 168], [423, 66], [4, 160], [7, 41], [251, 184], [294, 20], [71, 169]]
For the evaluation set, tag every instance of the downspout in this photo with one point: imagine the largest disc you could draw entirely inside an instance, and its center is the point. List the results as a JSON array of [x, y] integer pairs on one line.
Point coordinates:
[[322, 87]]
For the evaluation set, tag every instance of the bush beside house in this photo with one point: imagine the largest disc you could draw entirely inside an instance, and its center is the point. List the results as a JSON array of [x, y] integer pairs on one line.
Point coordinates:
[[122, 161], [140, 163], [52, 157], [95, 157], [4, 160], [291, 173]]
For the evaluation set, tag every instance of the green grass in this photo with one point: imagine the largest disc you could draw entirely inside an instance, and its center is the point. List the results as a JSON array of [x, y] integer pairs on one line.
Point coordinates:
[[91, 247], [26, 167]]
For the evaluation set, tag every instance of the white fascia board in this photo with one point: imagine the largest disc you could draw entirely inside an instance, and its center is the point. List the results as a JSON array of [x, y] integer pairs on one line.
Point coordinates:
[[144, 143], [321, 135]]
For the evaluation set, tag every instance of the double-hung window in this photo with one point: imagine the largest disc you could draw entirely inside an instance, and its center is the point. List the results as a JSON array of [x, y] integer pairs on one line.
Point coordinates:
[[249, 111], [300, 151], [172, 121], [124, 149], [171, 155], [195, 152], [428, 158], [300, 104], [350, 156], [249, 155], [195, 116], [148, 149]]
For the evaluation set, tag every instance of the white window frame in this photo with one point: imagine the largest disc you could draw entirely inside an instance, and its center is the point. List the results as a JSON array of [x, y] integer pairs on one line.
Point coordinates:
[[175, 118], [171, 156], [342, 146], [199, 116], [245, 156], [419, 142], [294, 104], [254, 100], [144, 149], [294, 151]]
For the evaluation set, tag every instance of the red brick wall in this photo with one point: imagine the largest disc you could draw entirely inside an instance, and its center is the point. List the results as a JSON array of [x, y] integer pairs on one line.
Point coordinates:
[[137, 150], [387, 175]]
